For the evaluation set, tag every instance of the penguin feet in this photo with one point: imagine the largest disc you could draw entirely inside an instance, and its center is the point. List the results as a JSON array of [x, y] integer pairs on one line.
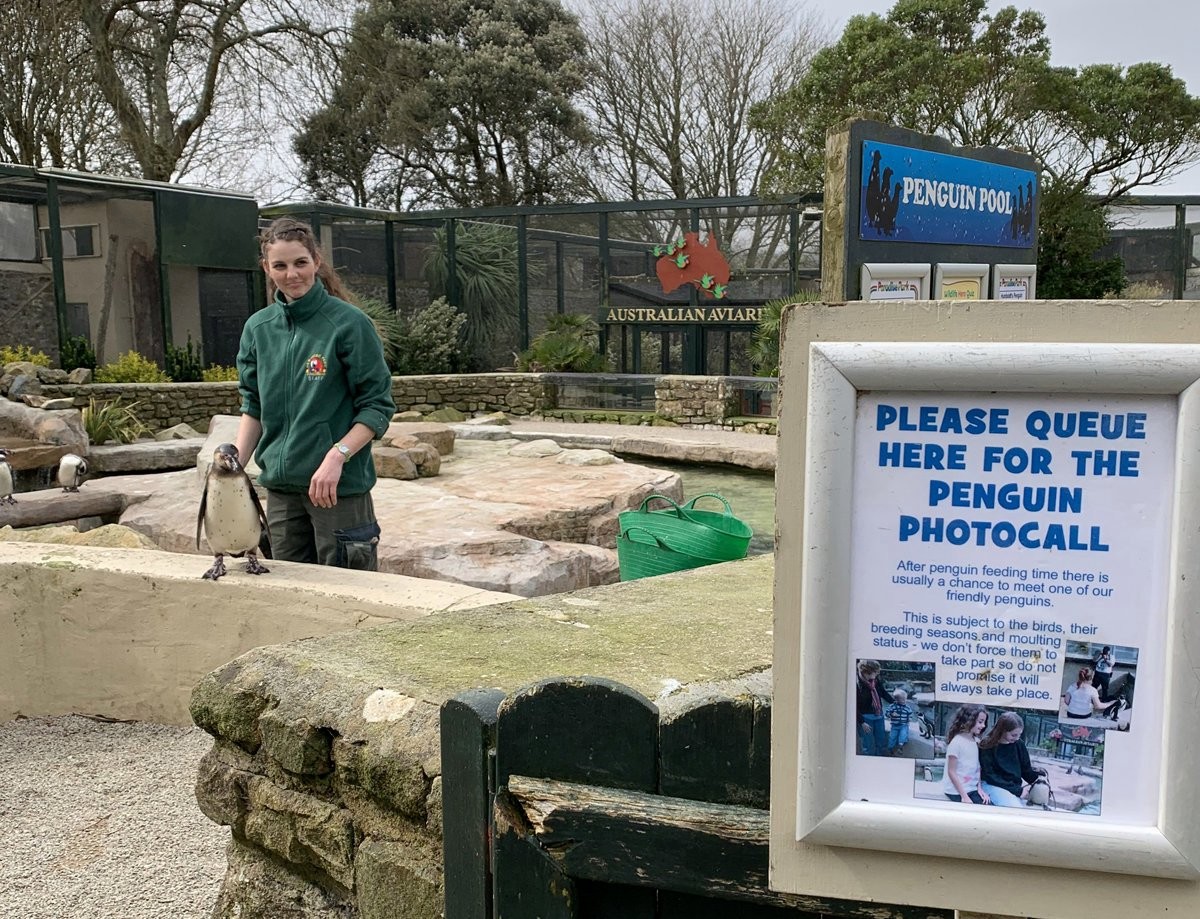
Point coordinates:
[[254, 566], [217, 569], [71, 488], [8, 499]]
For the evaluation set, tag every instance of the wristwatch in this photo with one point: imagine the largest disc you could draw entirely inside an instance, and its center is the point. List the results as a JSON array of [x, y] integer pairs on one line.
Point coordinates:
[[343, 450]]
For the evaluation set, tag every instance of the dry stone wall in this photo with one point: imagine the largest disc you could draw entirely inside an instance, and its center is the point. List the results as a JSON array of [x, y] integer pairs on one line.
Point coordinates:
[[689, 402]]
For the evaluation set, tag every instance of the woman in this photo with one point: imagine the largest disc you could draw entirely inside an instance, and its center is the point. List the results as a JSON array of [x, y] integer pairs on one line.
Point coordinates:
[[961, 780], [1004, 761], [1103, 672], [315, 392], [1081, 698]]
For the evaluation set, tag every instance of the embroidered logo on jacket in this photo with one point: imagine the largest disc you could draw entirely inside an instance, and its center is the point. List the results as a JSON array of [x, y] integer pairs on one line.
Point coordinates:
[[315, 366]]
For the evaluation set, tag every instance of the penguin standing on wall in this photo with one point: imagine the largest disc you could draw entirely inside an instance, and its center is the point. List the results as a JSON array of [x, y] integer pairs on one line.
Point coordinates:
[[72, 472], [7, 485], [230, 514]]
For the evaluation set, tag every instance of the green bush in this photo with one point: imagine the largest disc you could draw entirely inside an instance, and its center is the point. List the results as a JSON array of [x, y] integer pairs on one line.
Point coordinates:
[[389, 326], [77, 352], [569, 345], [131, 367], [218, 374], [433, 340], [23, 353], [184, 365], [764, 343], [112, 421]]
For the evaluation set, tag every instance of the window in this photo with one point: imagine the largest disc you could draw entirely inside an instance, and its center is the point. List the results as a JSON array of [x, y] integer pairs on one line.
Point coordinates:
[[18, 232], [77, 242]]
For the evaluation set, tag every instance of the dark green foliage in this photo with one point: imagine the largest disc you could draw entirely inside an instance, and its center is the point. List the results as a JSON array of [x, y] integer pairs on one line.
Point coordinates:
[[434, 340], [485, 256], [388, 325], [569, 345], [451, 102], [1071, 230], [764, 346], [184, 365], [77, 352]]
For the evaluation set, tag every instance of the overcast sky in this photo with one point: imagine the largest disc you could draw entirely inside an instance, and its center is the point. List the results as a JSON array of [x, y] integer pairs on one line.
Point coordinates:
[[1095, 32]]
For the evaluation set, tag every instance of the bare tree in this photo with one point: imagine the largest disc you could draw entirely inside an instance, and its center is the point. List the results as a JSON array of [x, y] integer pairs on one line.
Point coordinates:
[[169, 69], [51, 112], [670, 99]]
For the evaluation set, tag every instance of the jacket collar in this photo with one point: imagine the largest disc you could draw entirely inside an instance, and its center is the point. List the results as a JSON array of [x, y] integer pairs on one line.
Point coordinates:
[[305, 306]]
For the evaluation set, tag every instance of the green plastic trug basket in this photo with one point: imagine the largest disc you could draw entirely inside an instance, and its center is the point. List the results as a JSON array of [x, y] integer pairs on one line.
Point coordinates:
[[641, 554], [708, 534]]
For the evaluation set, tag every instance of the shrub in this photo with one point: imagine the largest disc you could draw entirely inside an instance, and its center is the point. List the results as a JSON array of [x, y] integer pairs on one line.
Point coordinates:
[[77, 352], [23, 353], [389, 326], [218, 374], [433, 340], [569, 345], [184, 365], [115, 420], [131, 367], [764, 344]]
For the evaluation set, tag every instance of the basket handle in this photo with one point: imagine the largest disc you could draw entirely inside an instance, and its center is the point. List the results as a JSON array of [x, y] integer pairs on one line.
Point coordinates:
[[674, 506], [659, 542], [709, 494]]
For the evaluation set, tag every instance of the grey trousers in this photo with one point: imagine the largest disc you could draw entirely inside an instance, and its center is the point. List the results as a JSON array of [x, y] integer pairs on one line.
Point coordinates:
[[345, 535]]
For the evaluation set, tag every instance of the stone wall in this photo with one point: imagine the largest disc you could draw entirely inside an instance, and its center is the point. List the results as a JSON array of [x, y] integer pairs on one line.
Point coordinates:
[[689, 402], [326, 758], [30, 317]]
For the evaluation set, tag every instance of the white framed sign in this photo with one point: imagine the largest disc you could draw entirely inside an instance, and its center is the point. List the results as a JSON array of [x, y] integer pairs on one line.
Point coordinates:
[[1014, 282], [961, 281], [983, 524], [899, 281]]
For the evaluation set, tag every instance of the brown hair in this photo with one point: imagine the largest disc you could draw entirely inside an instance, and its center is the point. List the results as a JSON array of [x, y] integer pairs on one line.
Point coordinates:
[[288, 229], [964, 721], [1008, 721], [1085, 676]]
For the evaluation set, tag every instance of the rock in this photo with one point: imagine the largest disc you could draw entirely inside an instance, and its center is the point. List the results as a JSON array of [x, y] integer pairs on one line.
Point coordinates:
[[177, 432], [440, 437], [57, 405], [109, 536], [23, 384], [446, 413], [257, 887], [81, 376], [427, 458], [52, 376], [408, 417], [543, 447], [526, 526], [586, 458], [493, 418], [394, 463], [392, 883], [147, 455]]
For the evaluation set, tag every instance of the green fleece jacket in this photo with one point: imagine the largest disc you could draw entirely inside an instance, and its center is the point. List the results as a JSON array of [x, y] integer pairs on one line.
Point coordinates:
[[308, 370]]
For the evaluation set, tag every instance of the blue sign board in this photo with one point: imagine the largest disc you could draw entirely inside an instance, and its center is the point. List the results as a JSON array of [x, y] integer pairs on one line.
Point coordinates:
[[918, 196]]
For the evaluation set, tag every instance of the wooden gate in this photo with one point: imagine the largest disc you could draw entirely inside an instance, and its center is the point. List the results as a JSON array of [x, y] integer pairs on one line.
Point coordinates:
[[579, 799]]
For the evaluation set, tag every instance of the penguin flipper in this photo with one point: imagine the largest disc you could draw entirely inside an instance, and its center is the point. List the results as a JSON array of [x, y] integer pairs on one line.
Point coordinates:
[[262, 522], [200, 515]]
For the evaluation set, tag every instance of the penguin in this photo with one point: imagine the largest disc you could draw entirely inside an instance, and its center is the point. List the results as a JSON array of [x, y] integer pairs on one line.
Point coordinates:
[[230, 514], [7, 486], [72, 471]]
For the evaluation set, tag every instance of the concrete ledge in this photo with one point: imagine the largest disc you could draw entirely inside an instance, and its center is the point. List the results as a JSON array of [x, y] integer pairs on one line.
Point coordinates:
[[127, 633]]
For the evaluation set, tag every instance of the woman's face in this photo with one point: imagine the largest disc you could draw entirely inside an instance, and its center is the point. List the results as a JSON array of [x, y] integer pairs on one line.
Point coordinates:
[[291, 267], [980, 724], [1012, 736]]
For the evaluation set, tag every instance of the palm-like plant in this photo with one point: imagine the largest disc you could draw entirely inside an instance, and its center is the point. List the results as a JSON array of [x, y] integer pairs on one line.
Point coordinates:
[[764, 345]]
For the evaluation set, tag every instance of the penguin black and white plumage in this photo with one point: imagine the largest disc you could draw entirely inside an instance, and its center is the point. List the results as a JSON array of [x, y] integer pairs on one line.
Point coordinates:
[[7, 483], [230, 514], [72, 472]]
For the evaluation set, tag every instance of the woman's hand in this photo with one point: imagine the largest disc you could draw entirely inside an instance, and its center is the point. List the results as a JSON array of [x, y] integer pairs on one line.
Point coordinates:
[[322, 488], [984, 795]]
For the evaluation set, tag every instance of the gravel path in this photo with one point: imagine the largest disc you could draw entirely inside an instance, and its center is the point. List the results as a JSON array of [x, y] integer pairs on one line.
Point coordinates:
[[99, 821]]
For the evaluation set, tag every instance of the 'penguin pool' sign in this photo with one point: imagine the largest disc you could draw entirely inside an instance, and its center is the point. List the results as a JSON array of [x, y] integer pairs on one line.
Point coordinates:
[[912, 195]]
